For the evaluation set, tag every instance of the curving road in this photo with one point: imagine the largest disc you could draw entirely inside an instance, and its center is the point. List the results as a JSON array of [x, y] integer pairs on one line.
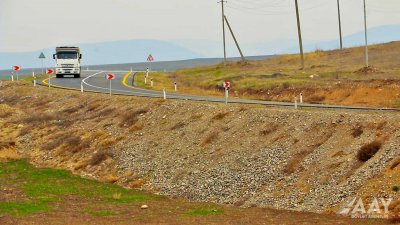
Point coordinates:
[[95, 81]]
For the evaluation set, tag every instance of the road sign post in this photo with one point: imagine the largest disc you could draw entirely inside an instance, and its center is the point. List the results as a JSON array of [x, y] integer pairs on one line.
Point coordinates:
[[110, 77], [42, 57], [49, 72], [227, 85], [150, 59], [12, 76]]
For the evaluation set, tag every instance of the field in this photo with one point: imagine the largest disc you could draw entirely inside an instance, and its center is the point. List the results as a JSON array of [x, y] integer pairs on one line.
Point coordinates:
[[32, 195], [330, 77]]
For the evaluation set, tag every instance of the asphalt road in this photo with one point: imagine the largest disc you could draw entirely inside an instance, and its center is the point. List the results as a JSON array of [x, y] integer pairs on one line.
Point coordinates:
[[95, 81]]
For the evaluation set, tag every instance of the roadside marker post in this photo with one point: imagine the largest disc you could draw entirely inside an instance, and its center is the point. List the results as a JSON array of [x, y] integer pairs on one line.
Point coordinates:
[[82, 86], [16, 69], [50, 72], [110, 77], [34, 79], [12, 76], [301, 98], [165, 94], [227, 85], [176, 86], [151, 82]]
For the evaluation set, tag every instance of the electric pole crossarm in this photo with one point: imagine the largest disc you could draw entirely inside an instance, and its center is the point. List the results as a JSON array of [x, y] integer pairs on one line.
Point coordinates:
[[234, 38]]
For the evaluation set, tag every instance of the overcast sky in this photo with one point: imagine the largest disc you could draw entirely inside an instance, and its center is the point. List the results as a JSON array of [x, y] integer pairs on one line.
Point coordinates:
[[27, 25]]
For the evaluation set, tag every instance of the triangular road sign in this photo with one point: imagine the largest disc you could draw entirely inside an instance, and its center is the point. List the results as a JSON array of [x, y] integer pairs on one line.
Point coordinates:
[[41, 56]]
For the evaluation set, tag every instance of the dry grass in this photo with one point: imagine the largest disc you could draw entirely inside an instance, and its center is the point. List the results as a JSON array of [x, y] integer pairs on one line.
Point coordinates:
[[395, 164], [68, 143], [99, 157], [270, 129], [178, 125], [129, 118], [368, 151], [220, 116], [294, 163], [211, 137], [357, 131]]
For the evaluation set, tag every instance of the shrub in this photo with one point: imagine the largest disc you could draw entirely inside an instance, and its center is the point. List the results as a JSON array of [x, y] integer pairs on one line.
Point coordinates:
[[178, 125], [99, 157], [395, 163], [367, 151], [395, 188], [316, 99], [210, 138], [270, 129], [357, 131], [129, 118], [220, 116]]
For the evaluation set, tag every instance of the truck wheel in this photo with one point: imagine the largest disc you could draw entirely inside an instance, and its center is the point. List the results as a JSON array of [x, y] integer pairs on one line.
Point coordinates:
[[77, 76], [59, 76]]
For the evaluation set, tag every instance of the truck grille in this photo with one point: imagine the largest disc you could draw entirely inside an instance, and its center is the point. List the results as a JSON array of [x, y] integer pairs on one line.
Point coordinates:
[[67, 65]]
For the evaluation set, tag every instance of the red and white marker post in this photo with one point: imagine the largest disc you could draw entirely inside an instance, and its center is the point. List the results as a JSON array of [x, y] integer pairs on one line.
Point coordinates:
[[16, 69], [49, 72], [227, 85], [110, 77]]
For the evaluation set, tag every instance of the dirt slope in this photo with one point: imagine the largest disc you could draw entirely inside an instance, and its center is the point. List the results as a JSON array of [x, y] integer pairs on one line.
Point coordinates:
[[302, 160]]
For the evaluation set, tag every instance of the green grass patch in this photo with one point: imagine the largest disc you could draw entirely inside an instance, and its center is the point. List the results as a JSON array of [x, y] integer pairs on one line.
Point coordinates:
[[42, 187], [23, 208], [204, 212]]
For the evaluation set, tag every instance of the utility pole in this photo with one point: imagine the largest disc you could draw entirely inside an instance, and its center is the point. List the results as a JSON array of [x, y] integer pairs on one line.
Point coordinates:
[[299, 32], [340, 25], [366, 35], [223, 29], [234, 38]]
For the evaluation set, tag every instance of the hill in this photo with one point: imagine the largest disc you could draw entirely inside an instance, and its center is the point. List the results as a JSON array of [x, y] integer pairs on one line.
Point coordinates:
[[330, 77]]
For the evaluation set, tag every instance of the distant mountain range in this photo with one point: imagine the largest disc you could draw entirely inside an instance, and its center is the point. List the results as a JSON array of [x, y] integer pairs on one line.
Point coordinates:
[[130, 51]]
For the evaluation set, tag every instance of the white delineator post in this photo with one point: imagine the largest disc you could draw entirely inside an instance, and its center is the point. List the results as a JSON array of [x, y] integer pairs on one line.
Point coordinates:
[[175, 86], [226, 95], [110, 87], [301, 98], [12, 76], [34, 79], [165, 94], [82, 86]]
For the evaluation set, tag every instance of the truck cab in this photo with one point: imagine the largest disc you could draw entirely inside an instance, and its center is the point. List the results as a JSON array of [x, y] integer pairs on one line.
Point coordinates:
[[68, 62]]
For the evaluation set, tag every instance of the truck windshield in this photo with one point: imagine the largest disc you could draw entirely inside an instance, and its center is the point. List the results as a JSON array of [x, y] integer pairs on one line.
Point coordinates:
[[67, 55]]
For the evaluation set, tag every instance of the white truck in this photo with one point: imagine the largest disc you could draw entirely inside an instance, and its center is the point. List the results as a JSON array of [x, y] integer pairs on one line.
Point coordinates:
[[68, 62]]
